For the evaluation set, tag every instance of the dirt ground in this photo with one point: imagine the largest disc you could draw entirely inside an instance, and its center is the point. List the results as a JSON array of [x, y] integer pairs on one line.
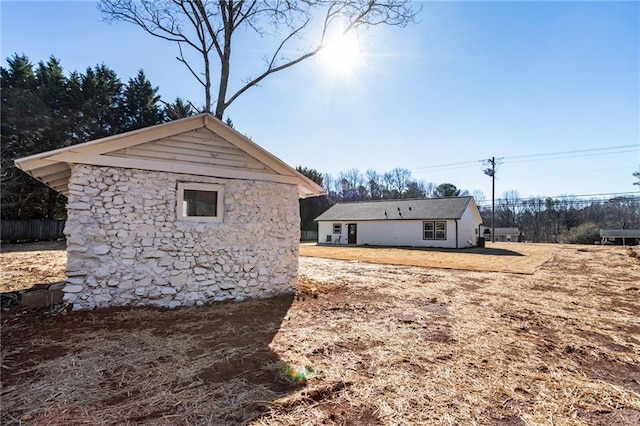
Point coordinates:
[[377, 345], [24, 265], [518, 258]]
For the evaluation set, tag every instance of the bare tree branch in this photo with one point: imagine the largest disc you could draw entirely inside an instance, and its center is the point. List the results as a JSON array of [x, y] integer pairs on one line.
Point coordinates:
[[184, 61], [212, 24]]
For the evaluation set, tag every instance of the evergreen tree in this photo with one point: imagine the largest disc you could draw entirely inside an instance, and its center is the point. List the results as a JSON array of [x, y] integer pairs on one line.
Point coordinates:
[[22, 122], [178, 109], [310, 208], [101, 111], [51, 87], [140, 104], [43, 110], [447, 190]]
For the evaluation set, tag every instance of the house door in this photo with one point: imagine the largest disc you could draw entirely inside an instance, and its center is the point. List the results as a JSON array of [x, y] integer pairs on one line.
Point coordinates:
[[353, 233]]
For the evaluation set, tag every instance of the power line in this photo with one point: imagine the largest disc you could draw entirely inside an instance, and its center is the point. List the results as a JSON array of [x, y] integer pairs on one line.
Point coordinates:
[[577, 151], [573, 156], [570, 197], [575, 172], [475, 163], [560, 155]]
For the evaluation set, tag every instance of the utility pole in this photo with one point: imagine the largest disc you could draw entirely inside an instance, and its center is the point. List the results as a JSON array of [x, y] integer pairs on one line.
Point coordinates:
[[490, 170]]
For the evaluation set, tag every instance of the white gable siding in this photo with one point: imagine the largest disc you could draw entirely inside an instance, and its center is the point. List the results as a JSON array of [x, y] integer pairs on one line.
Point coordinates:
[[200, 146], [468, 228]]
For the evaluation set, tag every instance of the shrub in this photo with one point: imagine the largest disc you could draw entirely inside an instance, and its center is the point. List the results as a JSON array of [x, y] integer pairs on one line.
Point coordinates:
[[586, 233]]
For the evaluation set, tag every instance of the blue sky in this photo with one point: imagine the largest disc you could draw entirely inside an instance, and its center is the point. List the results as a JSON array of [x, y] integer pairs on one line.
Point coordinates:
[[470, 81]]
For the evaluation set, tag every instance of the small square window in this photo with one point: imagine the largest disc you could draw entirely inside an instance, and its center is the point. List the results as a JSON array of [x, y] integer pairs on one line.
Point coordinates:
[[337, 228], [428, 231], [441, 230], [200, 202]]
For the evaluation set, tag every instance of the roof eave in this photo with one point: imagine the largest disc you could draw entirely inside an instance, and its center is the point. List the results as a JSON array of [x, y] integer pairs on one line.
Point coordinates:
[[96, 148]]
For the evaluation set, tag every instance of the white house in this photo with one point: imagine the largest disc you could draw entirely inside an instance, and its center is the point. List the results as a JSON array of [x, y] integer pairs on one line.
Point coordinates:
[[180, 213], [451, 222], [504, 234]]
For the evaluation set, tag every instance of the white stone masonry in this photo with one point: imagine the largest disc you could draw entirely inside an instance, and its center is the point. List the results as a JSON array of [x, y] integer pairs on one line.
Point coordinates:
[[125, 245]]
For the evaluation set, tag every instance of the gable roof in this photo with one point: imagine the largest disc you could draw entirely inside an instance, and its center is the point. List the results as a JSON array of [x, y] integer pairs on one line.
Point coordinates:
[[620, 233], [409, 209], [199, 145], [504, 231]]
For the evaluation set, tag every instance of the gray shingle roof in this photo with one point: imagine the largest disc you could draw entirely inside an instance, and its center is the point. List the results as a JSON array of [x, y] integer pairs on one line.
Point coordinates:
[[620, 233], [506, 231], [417, 209]]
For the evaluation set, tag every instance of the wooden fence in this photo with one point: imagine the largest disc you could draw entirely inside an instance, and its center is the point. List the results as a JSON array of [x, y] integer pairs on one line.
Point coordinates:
[[49, 230], [32, 230]]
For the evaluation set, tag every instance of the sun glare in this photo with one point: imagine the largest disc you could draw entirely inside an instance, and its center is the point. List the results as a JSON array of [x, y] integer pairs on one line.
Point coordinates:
[[342, 55]]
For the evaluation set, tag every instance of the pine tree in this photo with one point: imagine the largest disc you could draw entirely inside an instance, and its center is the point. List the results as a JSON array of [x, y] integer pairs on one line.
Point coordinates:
[[140, 104], [25, 130], [101, 111], [178, 109], [43, 110]]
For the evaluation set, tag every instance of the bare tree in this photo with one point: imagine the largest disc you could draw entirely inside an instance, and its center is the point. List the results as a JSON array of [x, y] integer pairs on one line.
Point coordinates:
[[209, 28], [509, 208], [430, 188], [479, 196], [374, 182], [401, 178], [351, 181]]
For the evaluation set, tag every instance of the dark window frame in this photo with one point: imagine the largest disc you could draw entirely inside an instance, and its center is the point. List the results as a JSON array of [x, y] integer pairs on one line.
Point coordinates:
[[434, 230]]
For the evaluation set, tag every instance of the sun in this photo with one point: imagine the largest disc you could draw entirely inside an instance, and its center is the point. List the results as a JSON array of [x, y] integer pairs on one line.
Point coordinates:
[[343, 54]]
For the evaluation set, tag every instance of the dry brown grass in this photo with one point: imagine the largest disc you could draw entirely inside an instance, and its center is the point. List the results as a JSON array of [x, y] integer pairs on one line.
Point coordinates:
[[24, 265], [388, 344], [516, 258]]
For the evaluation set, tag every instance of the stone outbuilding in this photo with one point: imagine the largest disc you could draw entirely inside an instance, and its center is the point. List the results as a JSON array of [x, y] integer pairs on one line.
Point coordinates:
[[179, 214]]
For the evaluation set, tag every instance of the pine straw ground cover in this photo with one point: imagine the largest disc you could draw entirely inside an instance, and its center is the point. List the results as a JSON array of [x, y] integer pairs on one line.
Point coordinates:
[[387, 345]]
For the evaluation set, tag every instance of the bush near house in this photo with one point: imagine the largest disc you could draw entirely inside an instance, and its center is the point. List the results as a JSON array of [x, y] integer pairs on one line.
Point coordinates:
[[587, 233]]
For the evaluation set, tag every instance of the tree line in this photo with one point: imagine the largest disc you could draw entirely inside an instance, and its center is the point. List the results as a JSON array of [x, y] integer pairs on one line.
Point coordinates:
[[566, 218], [43, 109], [353, 185], [541, 219]]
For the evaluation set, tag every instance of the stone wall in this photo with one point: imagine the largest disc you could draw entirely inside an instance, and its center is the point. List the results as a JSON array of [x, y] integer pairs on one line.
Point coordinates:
[[126, 247]]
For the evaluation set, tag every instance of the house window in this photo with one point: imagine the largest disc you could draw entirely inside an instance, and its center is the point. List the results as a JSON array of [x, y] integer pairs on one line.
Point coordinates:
[[428, 231], [201, 202], [434, 231], [337, 228]]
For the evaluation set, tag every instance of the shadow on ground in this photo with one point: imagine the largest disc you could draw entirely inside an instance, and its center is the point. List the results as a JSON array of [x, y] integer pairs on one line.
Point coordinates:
[[206, 365], [473, 250], [37, 246]]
